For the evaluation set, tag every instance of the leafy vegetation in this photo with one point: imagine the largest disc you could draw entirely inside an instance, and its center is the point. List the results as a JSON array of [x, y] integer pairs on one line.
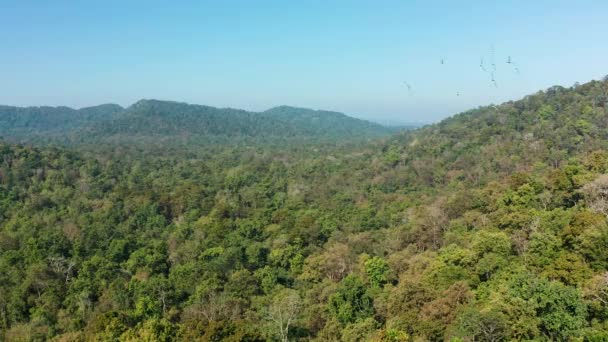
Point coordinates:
[[489, 226], [25, 122], [175, 123]]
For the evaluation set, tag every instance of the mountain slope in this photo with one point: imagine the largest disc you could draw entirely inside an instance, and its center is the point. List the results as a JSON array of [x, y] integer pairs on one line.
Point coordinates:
[[154, 120], [489, 226], [323, 122], [486, 143], [164, 119], [23, 121]]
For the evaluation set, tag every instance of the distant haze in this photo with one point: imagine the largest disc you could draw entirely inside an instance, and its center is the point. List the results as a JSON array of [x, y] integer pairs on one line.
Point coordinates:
[[397, 62]]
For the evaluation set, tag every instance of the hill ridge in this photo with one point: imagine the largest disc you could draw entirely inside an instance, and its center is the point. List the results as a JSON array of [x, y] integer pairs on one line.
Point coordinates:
[[165, 119]]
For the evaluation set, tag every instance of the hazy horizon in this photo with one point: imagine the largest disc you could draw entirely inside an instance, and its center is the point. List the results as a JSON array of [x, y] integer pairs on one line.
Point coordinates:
[[351, 57], [380, 120]]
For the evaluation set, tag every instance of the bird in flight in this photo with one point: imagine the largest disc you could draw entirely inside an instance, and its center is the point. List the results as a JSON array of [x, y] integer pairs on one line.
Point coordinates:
[[492, 58], [409, 87], [482, 66], [510, 61]]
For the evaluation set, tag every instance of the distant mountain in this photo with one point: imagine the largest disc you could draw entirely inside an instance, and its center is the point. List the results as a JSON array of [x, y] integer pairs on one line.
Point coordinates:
[[166, 120], [323, 122], [24, 121], [399, 124]]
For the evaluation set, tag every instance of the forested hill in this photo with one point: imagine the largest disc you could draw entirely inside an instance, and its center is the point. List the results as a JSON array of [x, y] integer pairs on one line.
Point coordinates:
[[489, 142], [34, 121], [149, 120], [489, 226], [164, 118], [323, 122]]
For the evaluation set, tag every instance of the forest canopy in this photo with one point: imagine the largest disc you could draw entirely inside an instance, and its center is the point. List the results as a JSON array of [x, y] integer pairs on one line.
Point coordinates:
[[488, 226]]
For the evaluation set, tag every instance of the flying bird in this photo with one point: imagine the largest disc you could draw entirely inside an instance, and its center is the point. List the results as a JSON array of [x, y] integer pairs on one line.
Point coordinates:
[[482, 66], [409, 87], [510, 61], [492, 62]]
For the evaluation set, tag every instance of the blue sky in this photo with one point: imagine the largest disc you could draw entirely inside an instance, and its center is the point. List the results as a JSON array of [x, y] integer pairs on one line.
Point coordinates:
[[350, 56]]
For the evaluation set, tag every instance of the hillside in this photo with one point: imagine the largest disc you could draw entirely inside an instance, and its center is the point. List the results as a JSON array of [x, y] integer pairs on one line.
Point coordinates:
[[152, 120], [34, 121], [324, 122], [487, 143], [489, 226], [149, 118]]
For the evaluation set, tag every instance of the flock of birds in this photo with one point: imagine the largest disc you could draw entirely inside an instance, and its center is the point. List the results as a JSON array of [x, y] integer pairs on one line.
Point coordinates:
[[490, 70]]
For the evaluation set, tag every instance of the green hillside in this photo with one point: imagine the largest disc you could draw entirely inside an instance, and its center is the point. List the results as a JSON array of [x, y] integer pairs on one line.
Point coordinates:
[[171, 123], [488, 226], [34, 121]]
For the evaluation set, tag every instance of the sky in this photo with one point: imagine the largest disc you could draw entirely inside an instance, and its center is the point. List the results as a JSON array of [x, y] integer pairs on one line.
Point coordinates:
[[349, 56]]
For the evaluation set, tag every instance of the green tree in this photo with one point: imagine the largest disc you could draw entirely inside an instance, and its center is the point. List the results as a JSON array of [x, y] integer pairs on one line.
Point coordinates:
[[351, 302], [377, 271]]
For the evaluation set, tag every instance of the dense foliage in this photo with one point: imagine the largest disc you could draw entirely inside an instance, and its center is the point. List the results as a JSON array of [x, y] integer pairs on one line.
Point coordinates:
[[27, 122], [489, 226], [153, 121]]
